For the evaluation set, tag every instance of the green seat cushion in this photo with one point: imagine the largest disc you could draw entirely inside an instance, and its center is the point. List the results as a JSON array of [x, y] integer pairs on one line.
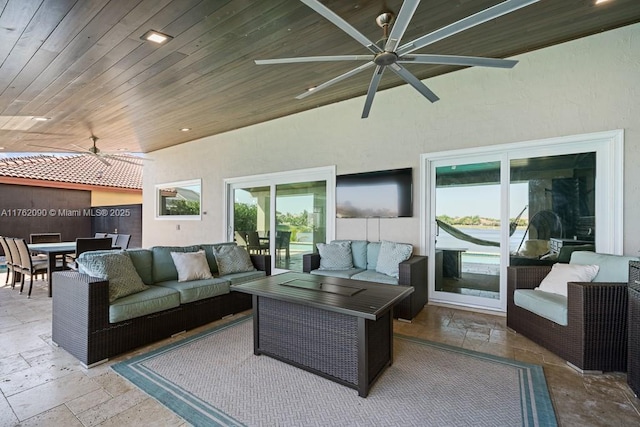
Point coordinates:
[[152, 300], [195, 290], [345, 274], [163, 267], [374, 276], [245, 276], [142, 260], [545, 304], [613, 268], [211, 259]]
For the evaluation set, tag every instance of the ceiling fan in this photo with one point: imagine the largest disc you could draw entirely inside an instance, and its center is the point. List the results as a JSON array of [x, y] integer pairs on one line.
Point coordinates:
[[95, 152], [388, 53]]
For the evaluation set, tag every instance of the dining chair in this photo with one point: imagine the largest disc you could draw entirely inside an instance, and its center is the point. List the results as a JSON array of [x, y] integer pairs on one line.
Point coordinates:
[[99, 235], [113, 238], [255, 246], [28, 265], [15, 258], [9, 262], [86, 244], [283, 240], [122, 241], [45, 238]]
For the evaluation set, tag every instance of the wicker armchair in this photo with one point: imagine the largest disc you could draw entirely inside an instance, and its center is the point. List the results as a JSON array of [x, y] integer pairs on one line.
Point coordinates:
[[595, 337]]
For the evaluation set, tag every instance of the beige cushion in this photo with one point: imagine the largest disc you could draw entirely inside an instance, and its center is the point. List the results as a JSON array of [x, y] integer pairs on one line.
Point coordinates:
[[232, 259], [556, 281], [191, 265], [534, 248]]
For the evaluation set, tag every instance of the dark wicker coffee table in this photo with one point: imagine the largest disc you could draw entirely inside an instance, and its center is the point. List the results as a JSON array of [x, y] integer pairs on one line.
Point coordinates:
[[340, 329]]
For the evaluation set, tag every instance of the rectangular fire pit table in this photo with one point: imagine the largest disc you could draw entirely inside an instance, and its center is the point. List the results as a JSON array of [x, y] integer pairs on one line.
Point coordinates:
[[340, 329]]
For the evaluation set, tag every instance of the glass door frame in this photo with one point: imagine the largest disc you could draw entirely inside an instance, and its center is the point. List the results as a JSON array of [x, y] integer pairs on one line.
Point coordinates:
[[609, 149], [271, 180]]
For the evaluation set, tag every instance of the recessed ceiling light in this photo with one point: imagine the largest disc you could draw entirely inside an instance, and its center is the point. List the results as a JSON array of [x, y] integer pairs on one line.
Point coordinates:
[[1, 148], [156, 37], [312, 88], [601, 1], [41, 119], [185, 129]]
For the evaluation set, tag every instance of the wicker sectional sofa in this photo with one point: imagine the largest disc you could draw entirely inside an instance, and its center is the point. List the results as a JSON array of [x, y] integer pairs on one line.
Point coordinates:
[[365, 254], [93, 329]]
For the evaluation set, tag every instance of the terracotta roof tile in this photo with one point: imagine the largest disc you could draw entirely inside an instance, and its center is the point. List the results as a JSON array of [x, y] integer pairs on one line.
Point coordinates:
[[75, 169]]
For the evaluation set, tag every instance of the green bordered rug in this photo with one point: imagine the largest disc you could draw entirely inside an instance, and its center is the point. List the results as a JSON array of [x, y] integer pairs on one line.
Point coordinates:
[[214, 379]]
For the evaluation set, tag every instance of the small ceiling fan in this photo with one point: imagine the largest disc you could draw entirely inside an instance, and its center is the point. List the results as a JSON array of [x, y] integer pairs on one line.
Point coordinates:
[[388, 53], [95, 152]]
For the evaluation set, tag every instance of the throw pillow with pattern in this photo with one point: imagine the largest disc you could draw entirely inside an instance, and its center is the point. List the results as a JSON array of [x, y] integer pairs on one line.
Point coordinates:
[[232, 259], [117, 268], [390, 256], [335, 255]]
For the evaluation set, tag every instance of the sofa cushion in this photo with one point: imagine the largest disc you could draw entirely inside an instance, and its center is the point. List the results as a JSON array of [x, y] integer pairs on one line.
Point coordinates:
[[163, 267], [373, 251], [345, 274], [545, 304], [335, 255], [142, 260], [191, 265], [613, 268], [152, 300], [211, 258], [358, 252], [117, 268], [390, 256], [195, 290], [374, 276], [560, 274], [232, 259]]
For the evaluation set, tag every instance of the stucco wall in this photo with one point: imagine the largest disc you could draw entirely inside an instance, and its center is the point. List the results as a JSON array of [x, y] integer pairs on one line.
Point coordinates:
[[587, 85]]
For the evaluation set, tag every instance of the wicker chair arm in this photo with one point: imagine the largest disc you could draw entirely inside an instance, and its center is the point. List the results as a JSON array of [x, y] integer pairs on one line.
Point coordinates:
[[597, 299], [413, 272], [262, 262], [85, 296], [525, 277], [310, 262]]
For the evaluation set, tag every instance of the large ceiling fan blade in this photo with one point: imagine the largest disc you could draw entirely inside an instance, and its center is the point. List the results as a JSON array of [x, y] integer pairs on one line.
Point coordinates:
[[313, 59], [373, 88], [342, 24], [464, 24], [65, 150], [400, 26], [120, 159], [471, 61], [413, 81], [336, 79]]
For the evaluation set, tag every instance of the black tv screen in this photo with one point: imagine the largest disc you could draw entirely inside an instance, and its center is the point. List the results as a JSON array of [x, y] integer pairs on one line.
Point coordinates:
[[380, 194]]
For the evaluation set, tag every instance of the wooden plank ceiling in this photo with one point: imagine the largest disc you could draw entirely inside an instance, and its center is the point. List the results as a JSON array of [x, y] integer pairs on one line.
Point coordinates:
[[82, 63]]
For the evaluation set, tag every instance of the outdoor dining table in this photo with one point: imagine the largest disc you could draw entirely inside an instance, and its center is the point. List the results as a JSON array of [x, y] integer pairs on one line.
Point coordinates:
[[52, 250]]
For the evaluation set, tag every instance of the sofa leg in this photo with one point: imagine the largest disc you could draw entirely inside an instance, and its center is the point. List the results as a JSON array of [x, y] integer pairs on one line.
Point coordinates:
[[582, 371], [399, 319], [99, 362]]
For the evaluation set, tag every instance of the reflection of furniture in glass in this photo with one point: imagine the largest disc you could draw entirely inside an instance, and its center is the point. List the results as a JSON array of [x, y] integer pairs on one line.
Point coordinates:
[[452, 261], [241, 238], [255, 246], [557, 244], [283, 238]]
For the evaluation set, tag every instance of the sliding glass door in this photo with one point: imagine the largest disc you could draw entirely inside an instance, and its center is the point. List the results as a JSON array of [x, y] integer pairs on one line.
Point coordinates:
[[283, 215], [518, 206]]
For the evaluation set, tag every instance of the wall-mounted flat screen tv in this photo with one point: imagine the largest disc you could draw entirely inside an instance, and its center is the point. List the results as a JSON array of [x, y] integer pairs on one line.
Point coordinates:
[[379, 194]]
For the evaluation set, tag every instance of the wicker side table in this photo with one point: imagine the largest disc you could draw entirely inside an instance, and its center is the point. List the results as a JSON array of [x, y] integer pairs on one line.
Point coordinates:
[[633, 360]]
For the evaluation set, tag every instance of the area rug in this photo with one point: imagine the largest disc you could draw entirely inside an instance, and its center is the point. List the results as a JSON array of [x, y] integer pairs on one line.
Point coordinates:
[[214, 379]]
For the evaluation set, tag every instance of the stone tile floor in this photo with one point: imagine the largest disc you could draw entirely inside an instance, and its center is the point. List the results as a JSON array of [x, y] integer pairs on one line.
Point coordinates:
[[42, 385]]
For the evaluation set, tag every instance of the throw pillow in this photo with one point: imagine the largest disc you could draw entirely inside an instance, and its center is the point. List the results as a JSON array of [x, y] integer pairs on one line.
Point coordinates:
[[556, 281], [191, 265], [335, 255], [117, 268], [391, 254], [232, 259]]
